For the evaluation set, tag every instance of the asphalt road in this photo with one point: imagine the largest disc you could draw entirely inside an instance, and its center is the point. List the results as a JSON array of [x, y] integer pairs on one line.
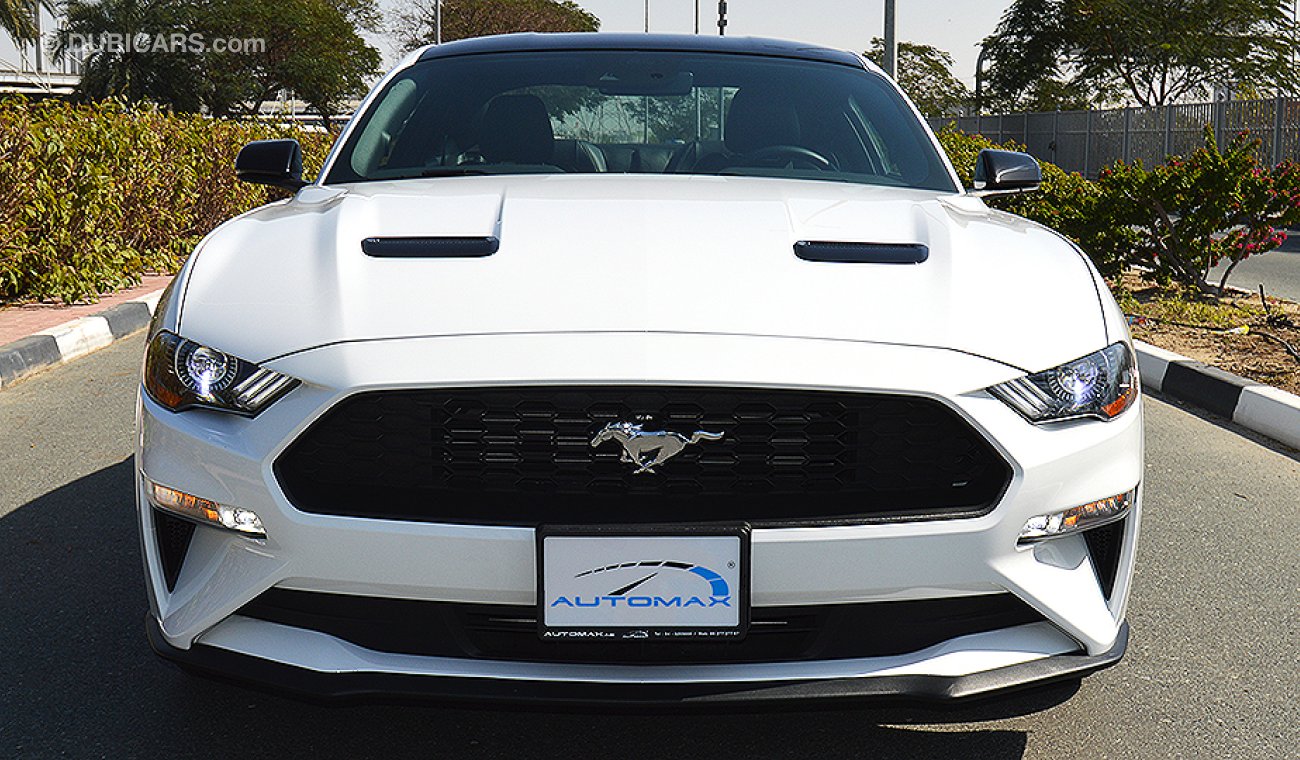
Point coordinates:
[[1278, 271], [1212, 671]]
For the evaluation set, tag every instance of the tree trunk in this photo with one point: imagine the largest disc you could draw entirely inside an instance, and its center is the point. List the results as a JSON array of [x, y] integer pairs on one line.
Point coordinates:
[[1223, 281]]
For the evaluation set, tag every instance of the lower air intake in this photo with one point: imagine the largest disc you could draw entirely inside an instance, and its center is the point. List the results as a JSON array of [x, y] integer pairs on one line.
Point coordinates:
[[173, 535], [1104, 547], [776, 634]]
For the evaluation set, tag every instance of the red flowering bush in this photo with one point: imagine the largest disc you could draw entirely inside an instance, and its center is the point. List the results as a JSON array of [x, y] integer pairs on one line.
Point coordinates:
[[1188, 215], [1178, 220]]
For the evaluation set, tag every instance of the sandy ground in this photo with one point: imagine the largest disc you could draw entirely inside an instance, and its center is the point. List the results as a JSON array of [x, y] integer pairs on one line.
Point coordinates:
[[1253, 355]]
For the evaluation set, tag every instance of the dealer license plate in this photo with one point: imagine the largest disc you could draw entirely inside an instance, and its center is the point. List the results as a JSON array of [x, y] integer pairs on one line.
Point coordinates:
[[660, 583]]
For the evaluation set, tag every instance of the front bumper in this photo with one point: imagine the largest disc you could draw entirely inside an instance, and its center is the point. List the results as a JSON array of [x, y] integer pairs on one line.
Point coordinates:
[[307, 683], [229, 459]]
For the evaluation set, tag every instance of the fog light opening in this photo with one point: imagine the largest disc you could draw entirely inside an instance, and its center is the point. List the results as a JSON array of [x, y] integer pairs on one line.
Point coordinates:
[[207, 512], [1094, 514]]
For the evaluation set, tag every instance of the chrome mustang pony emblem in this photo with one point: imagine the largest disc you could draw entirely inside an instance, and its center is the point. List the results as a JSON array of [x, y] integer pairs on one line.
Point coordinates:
[[648, 449]]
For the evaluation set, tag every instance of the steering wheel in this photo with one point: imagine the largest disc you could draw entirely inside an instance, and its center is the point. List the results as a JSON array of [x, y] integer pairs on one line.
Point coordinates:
[[789, 156]]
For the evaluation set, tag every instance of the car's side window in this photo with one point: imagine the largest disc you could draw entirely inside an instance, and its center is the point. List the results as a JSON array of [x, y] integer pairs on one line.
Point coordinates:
[[871, 140], [384, 127]]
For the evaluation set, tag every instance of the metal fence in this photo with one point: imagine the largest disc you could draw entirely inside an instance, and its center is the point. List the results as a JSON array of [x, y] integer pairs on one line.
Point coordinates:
[[1087, 141]]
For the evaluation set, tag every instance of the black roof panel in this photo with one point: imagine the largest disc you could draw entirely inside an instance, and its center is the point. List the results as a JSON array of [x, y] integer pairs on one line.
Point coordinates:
[[532, 41]]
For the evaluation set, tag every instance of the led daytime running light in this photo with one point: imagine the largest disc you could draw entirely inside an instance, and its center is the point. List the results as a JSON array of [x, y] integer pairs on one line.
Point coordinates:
[[1083, 517], [208, 512]]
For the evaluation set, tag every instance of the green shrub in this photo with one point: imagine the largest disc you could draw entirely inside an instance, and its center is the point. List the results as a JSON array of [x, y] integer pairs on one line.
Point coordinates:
[[92, 197], [1067, 201]]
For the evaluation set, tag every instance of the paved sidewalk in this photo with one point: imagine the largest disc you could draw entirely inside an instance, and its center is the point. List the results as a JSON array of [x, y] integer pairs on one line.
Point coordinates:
[[38, 336], [18, 322]]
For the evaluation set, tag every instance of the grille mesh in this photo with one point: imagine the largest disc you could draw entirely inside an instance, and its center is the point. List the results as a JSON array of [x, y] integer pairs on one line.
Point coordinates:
[[523, 456], [1104, 546], [173, 535]]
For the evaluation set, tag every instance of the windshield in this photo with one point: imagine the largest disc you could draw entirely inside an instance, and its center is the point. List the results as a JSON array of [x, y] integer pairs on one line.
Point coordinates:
[[585, 112]]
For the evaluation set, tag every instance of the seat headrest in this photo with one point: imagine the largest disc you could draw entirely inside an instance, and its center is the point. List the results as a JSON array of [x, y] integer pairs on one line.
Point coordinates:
[[760, 119], [578, 156], [517, 130]]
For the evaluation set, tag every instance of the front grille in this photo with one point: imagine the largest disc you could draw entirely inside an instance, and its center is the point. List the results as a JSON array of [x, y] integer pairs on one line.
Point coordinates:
[[776, 634], [523, 456]]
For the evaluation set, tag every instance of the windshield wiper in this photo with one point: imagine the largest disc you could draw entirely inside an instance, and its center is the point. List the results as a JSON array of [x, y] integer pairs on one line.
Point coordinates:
[[467, 171]]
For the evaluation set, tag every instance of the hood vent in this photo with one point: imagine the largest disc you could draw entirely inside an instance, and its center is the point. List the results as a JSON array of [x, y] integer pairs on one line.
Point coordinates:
[[429, 247], [862, 253]]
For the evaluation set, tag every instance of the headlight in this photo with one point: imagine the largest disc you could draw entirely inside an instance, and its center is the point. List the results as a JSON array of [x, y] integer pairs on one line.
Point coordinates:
[[1100, 385], [180, 374]]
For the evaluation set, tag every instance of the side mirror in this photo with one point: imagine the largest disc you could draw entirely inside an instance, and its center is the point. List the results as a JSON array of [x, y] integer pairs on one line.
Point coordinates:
[[271, 162], [1000, 172]]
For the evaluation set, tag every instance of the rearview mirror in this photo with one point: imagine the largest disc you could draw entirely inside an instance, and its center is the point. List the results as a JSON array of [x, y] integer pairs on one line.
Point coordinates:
[[271, 162], [1000, 172], [635, 82]]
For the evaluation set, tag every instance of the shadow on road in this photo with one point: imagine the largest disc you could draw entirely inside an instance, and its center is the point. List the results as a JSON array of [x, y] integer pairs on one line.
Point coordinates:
[[77, 678]]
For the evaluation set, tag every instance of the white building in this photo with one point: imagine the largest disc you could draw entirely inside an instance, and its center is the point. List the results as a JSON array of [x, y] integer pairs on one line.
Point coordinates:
[[27, 67]]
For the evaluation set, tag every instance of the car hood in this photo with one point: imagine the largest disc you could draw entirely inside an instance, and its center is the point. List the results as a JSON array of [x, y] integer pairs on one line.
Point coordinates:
[[641, 254]]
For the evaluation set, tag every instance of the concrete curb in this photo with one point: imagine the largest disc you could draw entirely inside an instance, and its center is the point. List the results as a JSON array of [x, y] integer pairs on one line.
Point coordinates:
[[74, 339], [1262, 408]]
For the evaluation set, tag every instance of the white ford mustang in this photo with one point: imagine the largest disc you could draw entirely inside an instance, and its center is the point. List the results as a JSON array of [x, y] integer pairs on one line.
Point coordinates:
[[638, 367]]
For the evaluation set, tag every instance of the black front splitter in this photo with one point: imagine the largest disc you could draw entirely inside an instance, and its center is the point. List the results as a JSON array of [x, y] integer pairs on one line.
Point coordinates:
[[322, 686]]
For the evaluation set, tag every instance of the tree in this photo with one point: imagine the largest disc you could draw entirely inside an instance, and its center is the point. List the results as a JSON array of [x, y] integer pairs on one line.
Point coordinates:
[[107, 35], [416, 26], [925, 74], [1053, 94], [312, 49], [309, 47], [1024, 72], [1150, 52], [18, 17]]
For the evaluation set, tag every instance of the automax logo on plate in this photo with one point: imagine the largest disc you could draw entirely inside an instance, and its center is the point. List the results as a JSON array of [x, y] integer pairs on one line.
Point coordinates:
[[719, 594], [656, 581]]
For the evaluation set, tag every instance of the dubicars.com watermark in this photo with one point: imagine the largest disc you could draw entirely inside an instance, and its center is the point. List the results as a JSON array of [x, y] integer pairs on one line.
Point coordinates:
[[174, 42]]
